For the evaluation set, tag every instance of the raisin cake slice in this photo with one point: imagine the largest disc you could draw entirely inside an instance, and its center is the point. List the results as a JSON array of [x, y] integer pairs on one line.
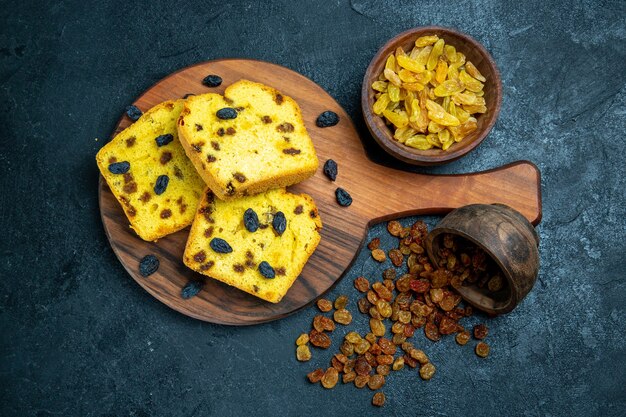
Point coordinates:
[[149, 173], [248, 141], [257, 243]]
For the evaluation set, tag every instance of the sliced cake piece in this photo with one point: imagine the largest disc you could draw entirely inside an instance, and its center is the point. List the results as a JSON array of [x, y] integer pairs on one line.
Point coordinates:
[[250, 140], [257, 243], [148, 172]]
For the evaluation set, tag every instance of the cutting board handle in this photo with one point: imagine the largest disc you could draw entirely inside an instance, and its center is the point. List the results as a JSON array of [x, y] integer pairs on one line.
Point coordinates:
[[518, 185]]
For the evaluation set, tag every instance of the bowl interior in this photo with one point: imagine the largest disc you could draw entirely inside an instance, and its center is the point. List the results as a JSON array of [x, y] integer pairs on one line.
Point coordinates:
[[480, 298], [475, 53]]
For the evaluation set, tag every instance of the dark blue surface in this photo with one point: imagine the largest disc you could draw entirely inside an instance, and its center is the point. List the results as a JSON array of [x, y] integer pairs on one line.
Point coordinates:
[[80, 338]]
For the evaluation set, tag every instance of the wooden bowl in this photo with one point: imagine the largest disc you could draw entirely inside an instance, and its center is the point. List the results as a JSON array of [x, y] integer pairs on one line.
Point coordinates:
[[475, 53], [506, 236]]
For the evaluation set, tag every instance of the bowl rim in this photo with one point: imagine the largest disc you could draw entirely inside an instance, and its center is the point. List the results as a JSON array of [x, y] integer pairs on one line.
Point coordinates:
[[380, 131]]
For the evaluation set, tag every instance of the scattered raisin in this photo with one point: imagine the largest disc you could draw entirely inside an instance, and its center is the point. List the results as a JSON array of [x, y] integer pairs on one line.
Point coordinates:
[[362, 284], [396, 257], [319, 339], [192, 289], [482, 349], [279, 223], [378, 399], [427, 371], [480, 331], [212, 80], [394, 228], [341, 302], [303, 339], [321, 323], [376, 382], [226, 113], [324, 305], [374, 244], [330, 169], [330, 378], [343, 316], [315, 376], [327, 119], [148, 265], [462, 338], [303, 353], [379, 255], [220, 245], [343, 198], [119, 167], [163, 140], [266, 270], [133, 112]]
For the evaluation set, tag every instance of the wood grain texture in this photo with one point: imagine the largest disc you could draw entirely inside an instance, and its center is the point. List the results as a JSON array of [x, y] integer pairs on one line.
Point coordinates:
[[475, 53], [379, 194], [507, 237]]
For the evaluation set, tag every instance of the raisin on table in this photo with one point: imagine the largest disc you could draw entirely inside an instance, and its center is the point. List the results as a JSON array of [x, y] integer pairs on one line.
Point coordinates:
[[191, 289], [133, 112], [327, 119], [330, 169], [148, 265], [212, 80], [343, 197]]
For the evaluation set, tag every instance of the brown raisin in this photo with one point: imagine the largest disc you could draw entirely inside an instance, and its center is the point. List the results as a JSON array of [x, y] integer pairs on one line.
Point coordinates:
[[330, 378], [321, 323], [324, 305], [396, 257], [303, 353], [364, 305], [341, 302], [378, 399], [462, 338], [343, 316], [319, 339], [394, 228], [361, 284], [376, 382], [374, 244], [482, 349], [427, 371], [315, 376], [480, 331]]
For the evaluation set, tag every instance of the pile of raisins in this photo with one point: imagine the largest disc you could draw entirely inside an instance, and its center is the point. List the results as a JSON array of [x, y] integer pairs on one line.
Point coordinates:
[[397, 307]]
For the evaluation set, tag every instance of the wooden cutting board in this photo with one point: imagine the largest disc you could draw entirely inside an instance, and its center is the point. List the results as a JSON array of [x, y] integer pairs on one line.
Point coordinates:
[[379, 194]]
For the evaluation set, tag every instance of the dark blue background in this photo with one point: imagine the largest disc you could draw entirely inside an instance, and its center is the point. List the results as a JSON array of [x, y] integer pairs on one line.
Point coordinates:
[[80, 338]]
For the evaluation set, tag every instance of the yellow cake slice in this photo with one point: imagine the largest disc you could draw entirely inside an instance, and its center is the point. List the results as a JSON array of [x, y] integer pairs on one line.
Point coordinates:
[[248, 141], [148, 172], [249, 244]]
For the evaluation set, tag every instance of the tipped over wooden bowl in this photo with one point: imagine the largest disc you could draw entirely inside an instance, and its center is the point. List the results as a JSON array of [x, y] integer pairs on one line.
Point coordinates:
[[475, 53]]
